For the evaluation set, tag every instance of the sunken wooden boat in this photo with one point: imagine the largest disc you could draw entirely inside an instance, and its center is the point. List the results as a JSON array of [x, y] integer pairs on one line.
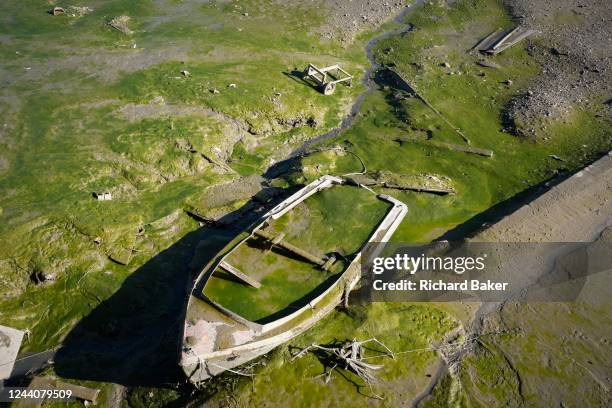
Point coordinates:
[[283, 274]]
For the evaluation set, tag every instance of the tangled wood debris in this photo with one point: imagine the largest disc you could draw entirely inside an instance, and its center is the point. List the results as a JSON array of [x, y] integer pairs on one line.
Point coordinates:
[[350, 356], [120, 23]]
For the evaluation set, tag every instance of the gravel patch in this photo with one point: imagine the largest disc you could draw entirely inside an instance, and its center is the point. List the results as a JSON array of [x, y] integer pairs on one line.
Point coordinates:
[[573, 50], [344, 19]]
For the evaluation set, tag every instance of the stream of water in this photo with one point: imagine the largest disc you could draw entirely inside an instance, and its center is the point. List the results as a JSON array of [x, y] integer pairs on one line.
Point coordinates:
[[367, 80]]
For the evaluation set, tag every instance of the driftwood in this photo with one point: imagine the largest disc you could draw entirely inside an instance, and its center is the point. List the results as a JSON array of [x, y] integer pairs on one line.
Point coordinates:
[[350, 356]]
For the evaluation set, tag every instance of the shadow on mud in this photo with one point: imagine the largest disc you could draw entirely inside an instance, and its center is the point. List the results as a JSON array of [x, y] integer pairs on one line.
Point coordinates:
[[500, 210], [133, 338]]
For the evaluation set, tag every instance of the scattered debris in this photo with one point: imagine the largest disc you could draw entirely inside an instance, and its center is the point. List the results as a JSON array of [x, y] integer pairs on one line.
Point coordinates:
[[78, 11], [158, 100], [320, 77], [104, 196], [71, 11], [120, 23], [350, 356]]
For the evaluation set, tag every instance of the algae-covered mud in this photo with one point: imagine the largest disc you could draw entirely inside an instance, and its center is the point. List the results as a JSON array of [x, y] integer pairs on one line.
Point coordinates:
[[139, 138]]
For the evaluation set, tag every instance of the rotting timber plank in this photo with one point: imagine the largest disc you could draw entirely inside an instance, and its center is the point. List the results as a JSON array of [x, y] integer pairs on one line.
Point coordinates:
[[486, 42], [520, 37], [47, 383], [240, 275], [291, 248], [80, 392], [419, 189], [505, 37], [466, 149]]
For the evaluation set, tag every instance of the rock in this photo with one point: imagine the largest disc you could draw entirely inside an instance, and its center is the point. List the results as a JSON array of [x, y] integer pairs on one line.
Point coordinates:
[[446, 65], [185, 73], [103, 196], [214, 91], [57, 11], [231, 86]]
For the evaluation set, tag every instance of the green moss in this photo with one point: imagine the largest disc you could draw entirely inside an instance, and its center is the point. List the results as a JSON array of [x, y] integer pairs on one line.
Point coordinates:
[[381, 136], [399, 327]]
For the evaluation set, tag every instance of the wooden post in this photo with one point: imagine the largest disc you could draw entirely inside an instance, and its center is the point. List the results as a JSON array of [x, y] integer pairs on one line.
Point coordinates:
[[291, 248], [240, 275]]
